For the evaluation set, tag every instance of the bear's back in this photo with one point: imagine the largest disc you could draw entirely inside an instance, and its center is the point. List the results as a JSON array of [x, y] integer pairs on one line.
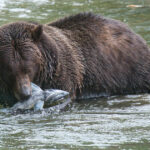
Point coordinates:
[[113, 54]]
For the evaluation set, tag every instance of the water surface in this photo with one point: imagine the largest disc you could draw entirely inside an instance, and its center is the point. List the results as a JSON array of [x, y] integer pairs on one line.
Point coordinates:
[[119, 122]]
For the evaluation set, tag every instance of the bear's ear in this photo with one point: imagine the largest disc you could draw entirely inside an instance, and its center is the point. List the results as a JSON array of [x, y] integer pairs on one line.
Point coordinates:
[[37, 32]]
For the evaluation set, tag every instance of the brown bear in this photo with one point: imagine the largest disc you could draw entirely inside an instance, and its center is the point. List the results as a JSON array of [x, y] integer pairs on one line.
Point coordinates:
[[84, 54]]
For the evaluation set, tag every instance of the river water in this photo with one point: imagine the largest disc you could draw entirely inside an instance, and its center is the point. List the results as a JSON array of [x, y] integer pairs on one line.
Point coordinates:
[[113, 123]]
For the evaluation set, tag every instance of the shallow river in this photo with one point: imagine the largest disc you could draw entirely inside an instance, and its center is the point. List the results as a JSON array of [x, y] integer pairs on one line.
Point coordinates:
[[113, 123]]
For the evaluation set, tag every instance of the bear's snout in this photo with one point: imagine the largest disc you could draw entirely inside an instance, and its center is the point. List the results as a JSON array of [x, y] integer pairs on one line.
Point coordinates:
[[25, 92], [22, 89]]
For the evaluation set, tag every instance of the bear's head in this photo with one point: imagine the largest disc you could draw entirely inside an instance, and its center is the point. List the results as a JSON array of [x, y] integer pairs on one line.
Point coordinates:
[[19, 57]]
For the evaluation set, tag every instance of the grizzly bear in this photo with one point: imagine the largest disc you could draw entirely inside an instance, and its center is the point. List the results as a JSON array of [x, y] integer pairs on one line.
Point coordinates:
[[84, 54]]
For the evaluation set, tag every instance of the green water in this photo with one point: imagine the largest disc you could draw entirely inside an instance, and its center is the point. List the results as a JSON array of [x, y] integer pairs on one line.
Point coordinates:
[[115, 123]]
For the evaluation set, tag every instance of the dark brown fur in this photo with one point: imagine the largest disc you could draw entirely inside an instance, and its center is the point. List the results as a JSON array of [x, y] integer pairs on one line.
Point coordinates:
[[82, 54]]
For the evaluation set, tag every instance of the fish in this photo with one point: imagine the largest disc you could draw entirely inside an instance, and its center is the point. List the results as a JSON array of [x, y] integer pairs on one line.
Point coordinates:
[[48, 100]]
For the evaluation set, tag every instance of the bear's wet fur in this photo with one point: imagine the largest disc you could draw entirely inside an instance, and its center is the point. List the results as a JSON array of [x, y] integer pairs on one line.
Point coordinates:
[[83, 54]]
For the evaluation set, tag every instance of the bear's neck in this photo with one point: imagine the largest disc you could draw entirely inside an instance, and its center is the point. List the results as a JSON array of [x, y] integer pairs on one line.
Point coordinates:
[[64, 61], [62, 67], [48, 63]]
